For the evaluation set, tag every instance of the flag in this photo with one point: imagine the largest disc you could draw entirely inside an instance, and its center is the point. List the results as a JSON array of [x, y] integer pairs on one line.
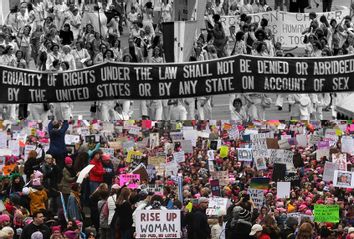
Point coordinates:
[[181, 34]]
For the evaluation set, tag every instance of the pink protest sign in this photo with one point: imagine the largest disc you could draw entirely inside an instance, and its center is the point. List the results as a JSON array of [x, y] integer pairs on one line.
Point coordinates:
[[131, 180]]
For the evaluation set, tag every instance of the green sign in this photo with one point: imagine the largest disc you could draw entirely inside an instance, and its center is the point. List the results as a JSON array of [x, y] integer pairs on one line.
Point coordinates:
[[326, 213]]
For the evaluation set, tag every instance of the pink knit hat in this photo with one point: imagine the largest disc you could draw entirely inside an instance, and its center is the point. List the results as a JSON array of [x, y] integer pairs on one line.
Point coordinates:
[[37, 174], [106, 157], [4, 218], [36, 182], [68, 160], [308, 212]]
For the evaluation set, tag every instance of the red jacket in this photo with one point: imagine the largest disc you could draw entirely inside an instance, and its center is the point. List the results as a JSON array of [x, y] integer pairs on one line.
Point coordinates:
[[96, 173]]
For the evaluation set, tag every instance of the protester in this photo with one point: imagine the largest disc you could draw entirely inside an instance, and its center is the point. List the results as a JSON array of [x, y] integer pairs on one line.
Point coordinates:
[[36, 226]]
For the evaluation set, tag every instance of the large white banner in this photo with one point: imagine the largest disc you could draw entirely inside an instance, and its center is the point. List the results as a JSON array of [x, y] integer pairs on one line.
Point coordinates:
[[286, 27], [158, 223]]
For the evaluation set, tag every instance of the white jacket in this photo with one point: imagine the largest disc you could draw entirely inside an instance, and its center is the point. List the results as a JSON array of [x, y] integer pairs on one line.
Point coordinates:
[[111, 201]]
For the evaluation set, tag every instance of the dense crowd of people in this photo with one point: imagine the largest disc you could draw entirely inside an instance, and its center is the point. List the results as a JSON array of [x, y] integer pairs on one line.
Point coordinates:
[[58, 35], [43, 198]]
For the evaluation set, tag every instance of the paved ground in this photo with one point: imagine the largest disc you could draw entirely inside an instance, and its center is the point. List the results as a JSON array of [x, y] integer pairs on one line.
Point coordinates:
[[220, 110]]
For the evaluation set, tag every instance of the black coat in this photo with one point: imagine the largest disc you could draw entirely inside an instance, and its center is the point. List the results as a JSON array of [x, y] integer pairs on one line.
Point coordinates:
[[198, 227], [125, 213], [241, 230], [31, 228]]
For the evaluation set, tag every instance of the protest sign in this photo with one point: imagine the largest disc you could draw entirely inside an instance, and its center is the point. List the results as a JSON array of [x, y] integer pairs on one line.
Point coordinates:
[[154, 140], [340, 160], [326, 213], [141, 170], [259, 144], [257, 197], [320, 153], [217, 206], [283, 189], [301, 140], [213, 145], [260, 183], [14, 146], [130, 180], [287, 27], [84, 172], [323, 145], [222, 176], [272, 143], [343, 179], [186, 146], [293, 178], [215, 187], [285, 136], [72, 139], [128, 145], [244, 154], [279, 172], [347, 144], [284, 144], [210, 154], [134, 156], [190, 134], [203, 134], [115, 144], [224, 151], [3, 140], [301, 216], [283, 157], [171, 168], [234, 133], [176, 136], [255, 135], [153, 188], [134, 130], [328, 172], [83, 131], [235, 74], [158, 223], [259, 159], [314, 139], [156, 160], [179, 157]]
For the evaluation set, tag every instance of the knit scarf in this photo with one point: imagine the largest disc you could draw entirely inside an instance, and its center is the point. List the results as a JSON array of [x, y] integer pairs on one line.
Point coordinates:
[[77, 198]]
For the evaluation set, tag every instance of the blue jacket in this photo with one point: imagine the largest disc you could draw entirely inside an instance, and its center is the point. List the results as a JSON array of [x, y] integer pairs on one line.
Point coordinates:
[[73, 209], [57, 139]]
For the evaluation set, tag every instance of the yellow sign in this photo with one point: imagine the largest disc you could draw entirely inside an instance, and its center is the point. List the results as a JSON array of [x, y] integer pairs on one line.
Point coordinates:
[[132, 155]]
